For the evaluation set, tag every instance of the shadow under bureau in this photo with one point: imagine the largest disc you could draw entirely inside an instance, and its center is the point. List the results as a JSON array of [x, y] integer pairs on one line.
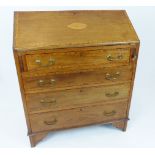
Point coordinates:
[[75, 68]]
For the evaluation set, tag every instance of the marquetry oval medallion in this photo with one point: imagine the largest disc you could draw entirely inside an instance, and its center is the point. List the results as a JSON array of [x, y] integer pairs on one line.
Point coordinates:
[[77, 26]]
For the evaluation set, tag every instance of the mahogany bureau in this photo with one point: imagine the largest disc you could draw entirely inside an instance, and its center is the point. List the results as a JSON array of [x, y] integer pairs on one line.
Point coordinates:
[[75, 68]]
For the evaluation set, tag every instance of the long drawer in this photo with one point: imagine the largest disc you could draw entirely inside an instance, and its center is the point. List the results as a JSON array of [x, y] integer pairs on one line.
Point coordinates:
[[77, 59], [77, 117], [73, 98], [44, 82]]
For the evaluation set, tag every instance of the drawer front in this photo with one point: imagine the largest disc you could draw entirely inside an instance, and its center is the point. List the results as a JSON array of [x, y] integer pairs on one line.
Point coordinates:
[[78, 60], [55, 81], [77, 117], [72, 98]]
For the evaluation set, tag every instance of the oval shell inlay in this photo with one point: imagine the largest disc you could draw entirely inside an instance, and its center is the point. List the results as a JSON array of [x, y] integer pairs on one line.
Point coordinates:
[[77, 26]]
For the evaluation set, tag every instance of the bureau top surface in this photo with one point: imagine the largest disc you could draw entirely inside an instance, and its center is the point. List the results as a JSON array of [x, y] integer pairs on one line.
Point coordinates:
[[61, 29]]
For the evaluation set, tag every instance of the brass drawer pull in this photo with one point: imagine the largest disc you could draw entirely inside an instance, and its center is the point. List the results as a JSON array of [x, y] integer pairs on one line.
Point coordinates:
[[51, 62], [51, 122], [111, 58], [41, 82], [44, 82], [109, 76], [112, 95], [111, 113]]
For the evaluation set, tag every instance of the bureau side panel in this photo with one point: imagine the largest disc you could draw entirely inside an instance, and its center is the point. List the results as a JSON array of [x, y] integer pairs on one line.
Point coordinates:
[[134, 58], [19, 69]]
